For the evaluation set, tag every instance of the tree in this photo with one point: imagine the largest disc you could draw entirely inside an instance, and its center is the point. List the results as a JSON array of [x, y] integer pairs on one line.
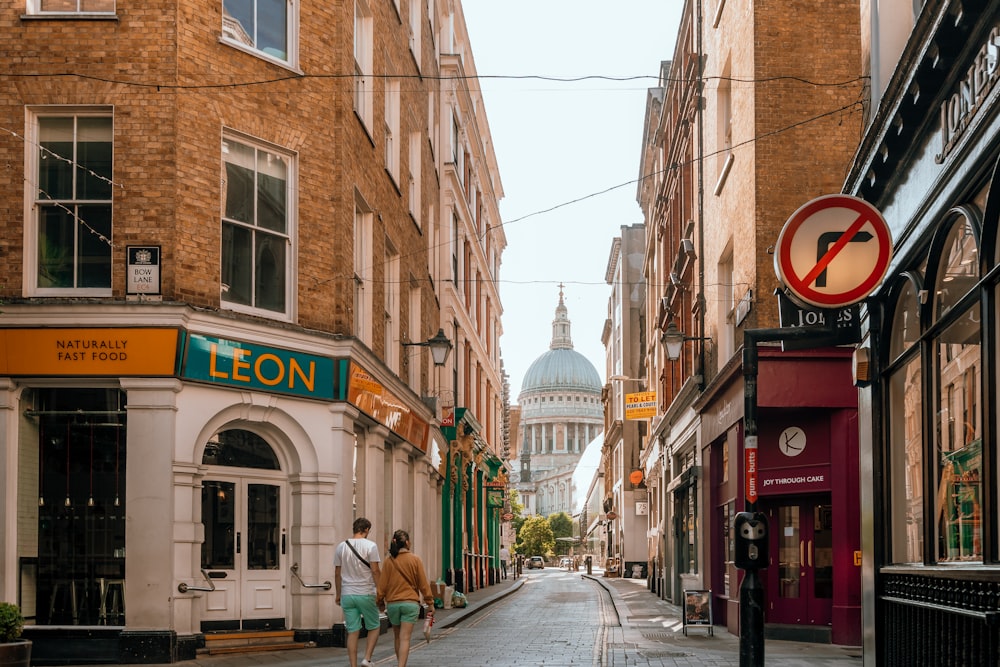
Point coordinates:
[[562, 526], [536, 537]]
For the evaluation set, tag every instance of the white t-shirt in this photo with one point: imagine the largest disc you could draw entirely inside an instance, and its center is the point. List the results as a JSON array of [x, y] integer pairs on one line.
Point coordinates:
[[355, 577], [504, 554]]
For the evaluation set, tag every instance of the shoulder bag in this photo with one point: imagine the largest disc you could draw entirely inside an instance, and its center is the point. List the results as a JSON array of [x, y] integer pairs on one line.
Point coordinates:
[[351, 547]]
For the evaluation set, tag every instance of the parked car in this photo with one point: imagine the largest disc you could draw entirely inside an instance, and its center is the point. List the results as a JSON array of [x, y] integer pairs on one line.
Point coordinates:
[[535, 563], [566, 562]]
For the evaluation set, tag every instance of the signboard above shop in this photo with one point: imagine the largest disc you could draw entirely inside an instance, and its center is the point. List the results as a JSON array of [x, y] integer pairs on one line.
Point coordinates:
[[842, 324]]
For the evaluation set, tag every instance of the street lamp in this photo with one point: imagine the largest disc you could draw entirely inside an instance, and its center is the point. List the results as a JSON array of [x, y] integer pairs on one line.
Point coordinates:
[[440, 347], [673, 338]]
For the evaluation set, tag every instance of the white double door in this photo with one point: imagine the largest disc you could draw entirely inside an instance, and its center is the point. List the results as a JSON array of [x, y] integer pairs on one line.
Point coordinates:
[[244, 553]]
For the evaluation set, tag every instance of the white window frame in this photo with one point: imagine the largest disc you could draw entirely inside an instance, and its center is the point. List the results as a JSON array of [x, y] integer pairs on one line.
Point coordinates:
[[413, 196], [363, 287], [392, 138], [228, 35], [37, 8], [416, 34], [414, 335], [391, 297], [32, 147], [364, 48], [289, 234]]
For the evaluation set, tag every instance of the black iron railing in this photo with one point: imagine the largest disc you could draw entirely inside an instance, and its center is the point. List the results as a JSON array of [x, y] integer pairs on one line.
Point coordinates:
[[936, 621]]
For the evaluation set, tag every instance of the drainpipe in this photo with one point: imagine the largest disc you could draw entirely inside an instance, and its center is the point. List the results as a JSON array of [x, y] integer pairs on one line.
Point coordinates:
[[701, 192]]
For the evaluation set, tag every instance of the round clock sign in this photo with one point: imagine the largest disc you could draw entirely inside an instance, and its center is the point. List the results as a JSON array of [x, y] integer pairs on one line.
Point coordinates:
[[792, 441]]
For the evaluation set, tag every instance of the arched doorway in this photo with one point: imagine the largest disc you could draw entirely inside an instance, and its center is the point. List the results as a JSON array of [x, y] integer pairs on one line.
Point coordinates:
[[245, 547]]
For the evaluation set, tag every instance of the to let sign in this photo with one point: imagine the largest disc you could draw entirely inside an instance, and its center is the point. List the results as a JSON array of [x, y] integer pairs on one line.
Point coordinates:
[[640, 405], [833, 251]]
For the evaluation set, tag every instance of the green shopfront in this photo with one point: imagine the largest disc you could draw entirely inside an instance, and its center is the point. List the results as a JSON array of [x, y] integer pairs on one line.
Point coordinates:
[[473, 501], [163, 484]]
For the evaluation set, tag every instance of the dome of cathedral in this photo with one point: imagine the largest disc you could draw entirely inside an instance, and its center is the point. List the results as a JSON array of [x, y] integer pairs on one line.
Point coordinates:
[[561, 368]]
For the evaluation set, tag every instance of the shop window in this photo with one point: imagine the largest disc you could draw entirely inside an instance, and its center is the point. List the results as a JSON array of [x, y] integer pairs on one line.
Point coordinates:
[[958, 270], [906, 470], [959, 443], [71, 507], [958, 399]]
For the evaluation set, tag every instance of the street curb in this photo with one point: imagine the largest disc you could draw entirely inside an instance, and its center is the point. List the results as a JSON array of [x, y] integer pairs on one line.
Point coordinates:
[[612, 591], [486, 602]]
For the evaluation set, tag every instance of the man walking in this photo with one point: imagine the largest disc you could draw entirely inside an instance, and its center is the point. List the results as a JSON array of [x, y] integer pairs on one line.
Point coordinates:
[[504, 557], [356, 562]]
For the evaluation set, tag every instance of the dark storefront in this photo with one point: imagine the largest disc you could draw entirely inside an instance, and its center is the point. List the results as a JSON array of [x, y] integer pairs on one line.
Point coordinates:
[[929, 163], [808, 471]]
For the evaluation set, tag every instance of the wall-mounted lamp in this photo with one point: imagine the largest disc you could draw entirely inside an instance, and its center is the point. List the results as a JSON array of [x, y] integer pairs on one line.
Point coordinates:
[[440, 347], [623, 378], [673, 338]]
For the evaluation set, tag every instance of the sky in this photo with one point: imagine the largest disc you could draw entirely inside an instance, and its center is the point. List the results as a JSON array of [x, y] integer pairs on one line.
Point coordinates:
[[568, 153]]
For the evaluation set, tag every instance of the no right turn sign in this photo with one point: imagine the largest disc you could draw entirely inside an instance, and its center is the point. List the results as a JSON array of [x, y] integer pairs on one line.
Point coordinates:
[[833, 251]]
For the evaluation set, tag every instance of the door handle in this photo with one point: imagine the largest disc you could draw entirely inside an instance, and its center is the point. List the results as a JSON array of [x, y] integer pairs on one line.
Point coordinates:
[[809, 551], [802, 556], [238, 543], [282, 544]]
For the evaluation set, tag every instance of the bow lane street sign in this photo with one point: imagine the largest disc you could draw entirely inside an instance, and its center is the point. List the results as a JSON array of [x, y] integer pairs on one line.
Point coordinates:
[[833, 251]]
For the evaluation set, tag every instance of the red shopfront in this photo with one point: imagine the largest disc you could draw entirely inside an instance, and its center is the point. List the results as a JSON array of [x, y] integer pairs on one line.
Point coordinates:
[[808, 487]]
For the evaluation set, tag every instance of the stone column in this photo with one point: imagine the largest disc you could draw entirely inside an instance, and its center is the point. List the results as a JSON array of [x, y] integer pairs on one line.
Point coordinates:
[[152, 501]]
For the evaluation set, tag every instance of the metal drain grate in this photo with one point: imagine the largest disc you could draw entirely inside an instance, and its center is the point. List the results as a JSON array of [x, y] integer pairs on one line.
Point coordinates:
[[663, 654], [659, 636]]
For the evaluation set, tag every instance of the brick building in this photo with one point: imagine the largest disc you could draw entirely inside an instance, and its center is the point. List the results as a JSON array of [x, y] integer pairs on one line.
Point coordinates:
[[224, 231], [757, 113]]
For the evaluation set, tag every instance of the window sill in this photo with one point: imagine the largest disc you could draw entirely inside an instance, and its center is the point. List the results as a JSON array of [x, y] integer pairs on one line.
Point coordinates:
[[286, 64], [81, 16], [724, 175], [965, 571]]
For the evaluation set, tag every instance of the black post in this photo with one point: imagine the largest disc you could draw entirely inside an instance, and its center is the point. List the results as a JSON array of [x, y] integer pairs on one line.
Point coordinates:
[[751, 590]]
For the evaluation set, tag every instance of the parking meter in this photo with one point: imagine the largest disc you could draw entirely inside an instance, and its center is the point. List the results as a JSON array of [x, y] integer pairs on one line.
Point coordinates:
[[751, 540]]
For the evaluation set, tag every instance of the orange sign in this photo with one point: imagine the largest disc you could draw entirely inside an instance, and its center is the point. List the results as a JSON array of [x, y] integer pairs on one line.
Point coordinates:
[[367, 393], [640, 405], [74, 352]]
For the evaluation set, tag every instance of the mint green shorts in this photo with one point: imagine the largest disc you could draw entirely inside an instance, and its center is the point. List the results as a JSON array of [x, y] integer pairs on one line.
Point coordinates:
[[358, 607], [402, 612]]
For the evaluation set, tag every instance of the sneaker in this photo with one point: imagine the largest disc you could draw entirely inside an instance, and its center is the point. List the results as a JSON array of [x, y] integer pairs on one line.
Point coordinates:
[[367, 663]]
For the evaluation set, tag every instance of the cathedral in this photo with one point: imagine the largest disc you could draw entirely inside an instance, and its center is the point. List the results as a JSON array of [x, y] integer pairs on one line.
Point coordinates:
[[560, 413]]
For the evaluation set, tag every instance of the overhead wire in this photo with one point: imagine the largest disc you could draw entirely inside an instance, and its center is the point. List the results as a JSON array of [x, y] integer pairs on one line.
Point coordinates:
[[856, 105]]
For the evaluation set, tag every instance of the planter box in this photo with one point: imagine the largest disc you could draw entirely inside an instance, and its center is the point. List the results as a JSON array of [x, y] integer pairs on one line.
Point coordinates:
[[16, 654]]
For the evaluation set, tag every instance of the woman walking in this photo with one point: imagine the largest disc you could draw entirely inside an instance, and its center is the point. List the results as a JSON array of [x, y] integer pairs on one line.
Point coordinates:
[[401, 586]]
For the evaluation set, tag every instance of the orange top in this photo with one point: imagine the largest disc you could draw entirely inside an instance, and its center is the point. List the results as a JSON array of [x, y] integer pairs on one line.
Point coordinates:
[[402, 579]]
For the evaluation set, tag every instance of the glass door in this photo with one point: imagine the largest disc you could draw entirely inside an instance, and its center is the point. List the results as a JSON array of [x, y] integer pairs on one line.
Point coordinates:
[[243, 553], [800, 574]]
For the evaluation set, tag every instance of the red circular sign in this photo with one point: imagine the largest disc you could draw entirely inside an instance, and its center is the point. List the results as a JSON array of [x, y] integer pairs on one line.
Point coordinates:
[[833, 251], [612, 516]]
